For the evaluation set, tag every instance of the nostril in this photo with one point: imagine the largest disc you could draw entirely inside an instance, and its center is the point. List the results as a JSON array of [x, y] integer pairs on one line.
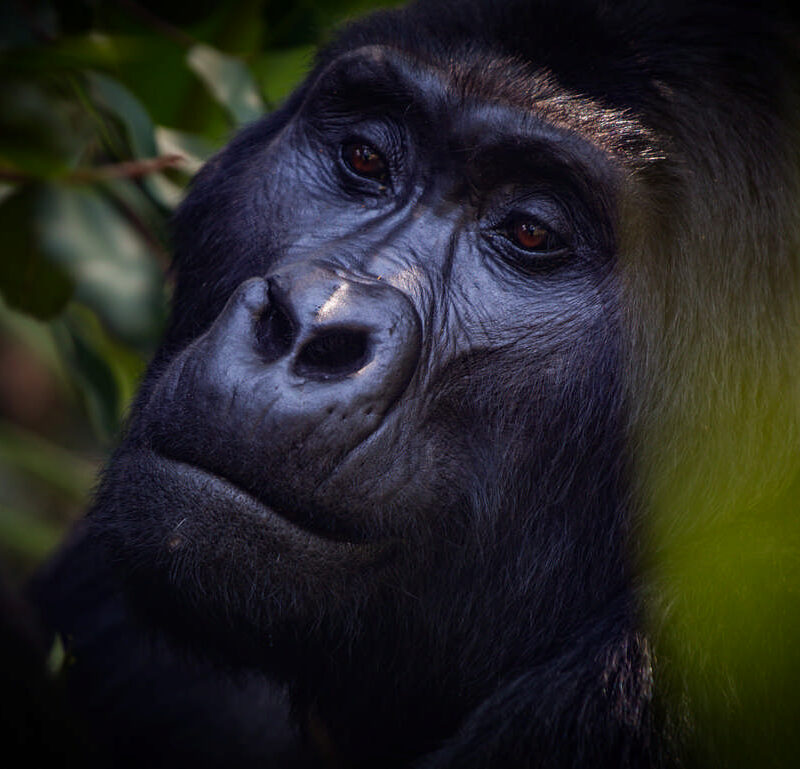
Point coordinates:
[[274, 333], [333, 353]]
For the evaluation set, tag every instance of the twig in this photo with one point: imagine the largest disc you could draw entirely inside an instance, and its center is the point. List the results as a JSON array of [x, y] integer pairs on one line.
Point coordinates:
[[157, 24], [129, 169]]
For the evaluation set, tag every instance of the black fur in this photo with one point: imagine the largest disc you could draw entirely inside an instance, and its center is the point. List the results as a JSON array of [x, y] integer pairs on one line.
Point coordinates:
[[457, 571]]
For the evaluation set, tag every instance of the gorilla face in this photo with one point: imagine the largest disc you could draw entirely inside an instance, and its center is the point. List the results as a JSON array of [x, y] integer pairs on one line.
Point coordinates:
[[500, 305], [418, 333]]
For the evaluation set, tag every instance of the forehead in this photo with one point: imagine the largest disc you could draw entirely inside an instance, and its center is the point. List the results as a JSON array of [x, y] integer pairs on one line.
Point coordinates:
[[473, 92]]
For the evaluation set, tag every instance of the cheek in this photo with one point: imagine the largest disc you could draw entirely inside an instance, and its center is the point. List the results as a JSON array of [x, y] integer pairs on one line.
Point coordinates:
[[534, 319]]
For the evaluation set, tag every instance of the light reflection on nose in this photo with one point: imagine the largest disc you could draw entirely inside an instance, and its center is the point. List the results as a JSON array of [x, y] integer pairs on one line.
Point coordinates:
[[334, 301]]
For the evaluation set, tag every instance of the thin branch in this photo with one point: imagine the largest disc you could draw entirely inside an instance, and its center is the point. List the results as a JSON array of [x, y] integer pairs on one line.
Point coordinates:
[[129, 169], [145, 232], [157, 24]]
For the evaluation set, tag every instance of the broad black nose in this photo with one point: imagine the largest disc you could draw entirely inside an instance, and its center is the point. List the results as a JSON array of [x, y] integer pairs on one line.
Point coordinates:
[[329, 327], [308, 353], [332, 327], [297, 370]]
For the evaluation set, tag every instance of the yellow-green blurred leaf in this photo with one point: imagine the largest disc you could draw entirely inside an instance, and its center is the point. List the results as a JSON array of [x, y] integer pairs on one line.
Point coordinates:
[[93, 376], [41, 459], [57, 657], [25, 536]]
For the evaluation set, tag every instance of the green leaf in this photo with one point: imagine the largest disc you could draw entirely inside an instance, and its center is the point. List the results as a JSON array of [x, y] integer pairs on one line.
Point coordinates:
[[23, 535], [49, 464], [42, 133], [124, 105], [93, 376], [29, 280], [141, 133], [57, 658], [94, 50], [126, 365], [142, 210], [111, 266], [228, 80], [278, 72], [60, 239]]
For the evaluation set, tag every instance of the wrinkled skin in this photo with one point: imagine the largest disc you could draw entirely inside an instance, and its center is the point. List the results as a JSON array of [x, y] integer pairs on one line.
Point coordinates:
[[380, 458], [378, 436]]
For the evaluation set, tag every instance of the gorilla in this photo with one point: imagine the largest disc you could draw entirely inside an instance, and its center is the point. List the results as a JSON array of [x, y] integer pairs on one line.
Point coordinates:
[[465, 337]]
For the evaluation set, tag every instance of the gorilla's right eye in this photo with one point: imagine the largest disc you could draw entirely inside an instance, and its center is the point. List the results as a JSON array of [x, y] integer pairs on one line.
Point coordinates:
[[364, 160], [529, 236]]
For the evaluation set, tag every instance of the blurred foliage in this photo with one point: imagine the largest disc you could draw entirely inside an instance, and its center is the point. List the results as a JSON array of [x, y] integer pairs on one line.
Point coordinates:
[[106, 111]]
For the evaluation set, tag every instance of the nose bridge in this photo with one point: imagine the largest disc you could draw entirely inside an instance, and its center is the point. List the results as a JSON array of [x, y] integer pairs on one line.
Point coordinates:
[[414, 255], [311, 295], [319, 295]]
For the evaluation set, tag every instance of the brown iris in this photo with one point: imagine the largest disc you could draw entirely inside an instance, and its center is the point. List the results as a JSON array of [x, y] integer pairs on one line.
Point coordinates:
[[530, 235], [365, 160]]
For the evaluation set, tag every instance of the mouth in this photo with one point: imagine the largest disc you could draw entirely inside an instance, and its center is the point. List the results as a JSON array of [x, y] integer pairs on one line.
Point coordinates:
[[199, 497]]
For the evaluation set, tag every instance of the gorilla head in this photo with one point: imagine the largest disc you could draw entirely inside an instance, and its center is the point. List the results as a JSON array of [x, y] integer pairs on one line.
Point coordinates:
[[424, 315]]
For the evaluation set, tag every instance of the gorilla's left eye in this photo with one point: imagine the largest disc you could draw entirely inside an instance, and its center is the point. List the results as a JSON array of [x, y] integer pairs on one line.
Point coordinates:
[[364, 160], [530, 235]]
